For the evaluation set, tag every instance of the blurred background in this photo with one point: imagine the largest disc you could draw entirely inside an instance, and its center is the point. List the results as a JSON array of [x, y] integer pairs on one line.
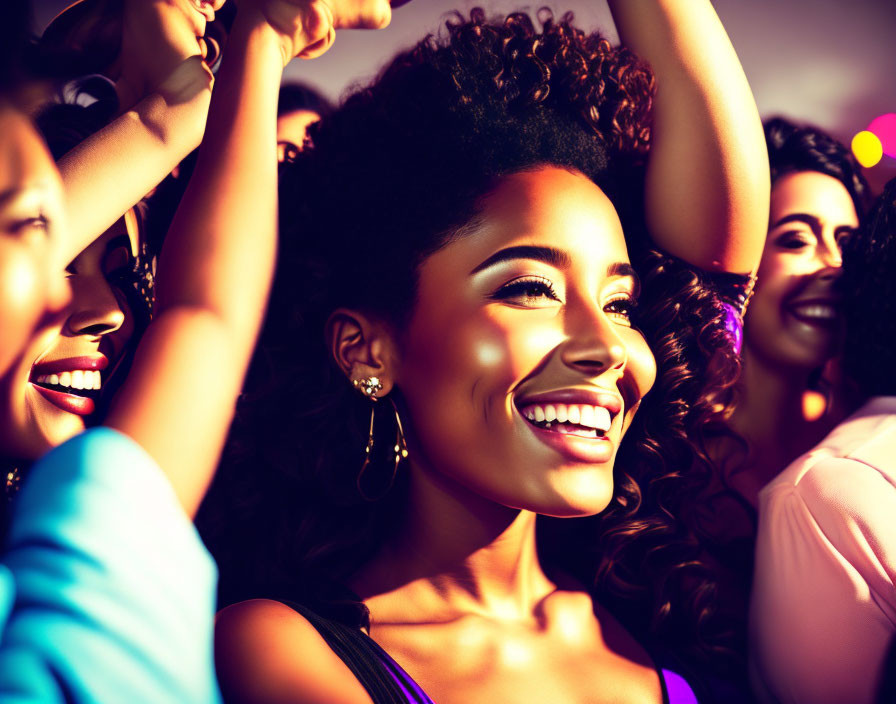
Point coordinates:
[[828, 62]]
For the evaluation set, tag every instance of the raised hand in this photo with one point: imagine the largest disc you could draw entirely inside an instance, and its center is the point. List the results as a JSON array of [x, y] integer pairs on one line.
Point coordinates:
[[157, 37]]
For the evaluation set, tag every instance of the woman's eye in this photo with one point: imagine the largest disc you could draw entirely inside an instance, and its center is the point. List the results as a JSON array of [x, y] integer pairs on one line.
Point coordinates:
[[117, 260], [31, 226], [844, 237], [792, 240], [530, 291], [621, 308]]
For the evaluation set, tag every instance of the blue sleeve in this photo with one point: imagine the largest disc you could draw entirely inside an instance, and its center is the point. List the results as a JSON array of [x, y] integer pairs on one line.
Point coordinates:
[[112, 592]]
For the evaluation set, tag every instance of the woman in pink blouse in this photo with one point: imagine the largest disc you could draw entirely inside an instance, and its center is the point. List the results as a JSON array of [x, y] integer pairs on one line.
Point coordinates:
[[823, 611]]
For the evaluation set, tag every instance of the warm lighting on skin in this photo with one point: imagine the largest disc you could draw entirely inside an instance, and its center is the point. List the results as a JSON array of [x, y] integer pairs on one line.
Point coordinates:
[[516, 653], [867, 148]]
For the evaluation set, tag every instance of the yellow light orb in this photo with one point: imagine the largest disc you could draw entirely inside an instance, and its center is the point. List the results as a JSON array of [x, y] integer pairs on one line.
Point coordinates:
[[867, 148]]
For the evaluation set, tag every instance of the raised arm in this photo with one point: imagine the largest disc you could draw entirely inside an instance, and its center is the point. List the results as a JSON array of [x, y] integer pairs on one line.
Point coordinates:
[[164, 91], [216, 266], [707, 176]]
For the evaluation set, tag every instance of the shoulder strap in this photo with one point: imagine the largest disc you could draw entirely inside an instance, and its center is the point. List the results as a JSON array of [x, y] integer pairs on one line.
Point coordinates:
[[385, 681]]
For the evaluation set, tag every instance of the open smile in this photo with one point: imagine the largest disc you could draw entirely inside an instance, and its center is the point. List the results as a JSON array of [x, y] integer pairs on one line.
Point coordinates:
[[71, 384], [816, 312], [574, 423]]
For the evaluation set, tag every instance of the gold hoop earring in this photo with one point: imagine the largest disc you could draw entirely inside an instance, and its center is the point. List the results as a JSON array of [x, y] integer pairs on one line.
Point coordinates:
[[370, 386]]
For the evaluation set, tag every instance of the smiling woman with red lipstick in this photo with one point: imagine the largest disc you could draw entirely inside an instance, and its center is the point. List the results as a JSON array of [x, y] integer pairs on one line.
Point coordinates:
[[456, 352], [55, 389], [106, 591]]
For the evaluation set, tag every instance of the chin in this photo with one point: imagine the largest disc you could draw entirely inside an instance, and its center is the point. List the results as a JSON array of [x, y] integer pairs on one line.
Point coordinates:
[[575, 494]]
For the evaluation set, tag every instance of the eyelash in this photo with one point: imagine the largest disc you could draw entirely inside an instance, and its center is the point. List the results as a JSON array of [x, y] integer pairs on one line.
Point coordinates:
[[792, 240], [623, 306], [523, 287], [40, 222]]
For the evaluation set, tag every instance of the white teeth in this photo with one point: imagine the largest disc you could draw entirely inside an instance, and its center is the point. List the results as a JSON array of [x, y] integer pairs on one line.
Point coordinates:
[[602, 419], [75, 379], [817, 311], [596, 417], [587, 418]]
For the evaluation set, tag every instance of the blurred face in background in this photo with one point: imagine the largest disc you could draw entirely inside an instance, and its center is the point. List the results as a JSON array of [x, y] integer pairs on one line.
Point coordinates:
[[32, 285], [794, 320], [52, 392], [291, 130]]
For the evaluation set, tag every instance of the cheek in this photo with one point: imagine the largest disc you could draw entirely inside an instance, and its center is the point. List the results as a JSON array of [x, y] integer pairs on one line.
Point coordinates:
[[487, 348], [641, 362], [22, 301], [640, 372]]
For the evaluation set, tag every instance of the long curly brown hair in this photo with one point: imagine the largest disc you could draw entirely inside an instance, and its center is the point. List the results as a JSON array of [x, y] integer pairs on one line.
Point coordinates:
[[391, 177]]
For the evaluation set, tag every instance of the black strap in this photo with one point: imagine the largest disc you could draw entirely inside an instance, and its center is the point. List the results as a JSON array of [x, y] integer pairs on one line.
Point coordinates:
[[354, 649]]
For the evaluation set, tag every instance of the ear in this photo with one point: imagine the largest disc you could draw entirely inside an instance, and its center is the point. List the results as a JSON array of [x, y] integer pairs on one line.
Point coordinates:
[[362, 347]]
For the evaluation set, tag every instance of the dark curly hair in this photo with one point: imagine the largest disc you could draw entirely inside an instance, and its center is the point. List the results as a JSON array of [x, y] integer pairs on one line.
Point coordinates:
[[394, 174], [793, 147], [869, 290]]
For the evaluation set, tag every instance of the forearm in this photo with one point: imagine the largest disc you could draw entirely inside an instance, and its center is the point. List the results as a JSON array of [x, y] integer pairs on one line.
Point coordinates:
[[707, 187], [110, 171], [225, 228], [214, 274]]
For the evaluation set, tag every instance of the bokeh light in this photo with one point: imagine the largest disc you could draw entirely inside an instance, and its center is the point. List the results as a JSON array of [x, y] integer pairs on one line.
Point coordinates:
[[885, 129], [867, 148]]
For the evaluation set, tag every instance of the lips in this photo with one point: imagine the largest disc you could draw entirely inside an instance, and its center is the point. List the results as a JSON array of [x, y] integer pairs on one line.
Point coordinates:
[[574, 422], [71, 384]]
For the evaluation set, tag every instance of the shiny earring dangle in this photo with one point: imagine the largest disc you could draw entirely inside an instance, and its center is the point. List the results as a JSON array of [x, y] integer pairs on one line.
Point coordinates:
[[369, 387]]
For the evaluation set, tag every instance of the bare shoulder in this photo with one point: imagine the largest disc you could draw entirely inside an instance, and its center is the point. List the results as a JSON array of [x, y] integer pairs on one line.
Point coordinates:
[[267, 653]]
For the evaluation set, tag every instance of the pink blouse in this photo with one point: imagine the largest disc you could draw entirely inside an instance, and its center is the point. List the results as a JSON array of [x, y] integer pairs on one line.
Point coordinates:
[[823, 609]]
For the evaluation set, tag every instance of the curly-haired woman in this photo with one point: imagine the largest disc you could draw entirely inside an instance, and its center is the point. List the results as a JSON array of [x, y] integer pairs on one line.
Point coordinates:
[[792, 331], [457, 293], [823, 610]]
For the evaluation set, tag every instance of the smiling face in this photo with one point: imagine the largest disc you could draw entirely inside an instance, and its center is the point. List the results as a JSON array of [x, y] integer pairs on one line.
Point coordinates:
[[31, 281], [794, 317], [49, 396], [520, 368]]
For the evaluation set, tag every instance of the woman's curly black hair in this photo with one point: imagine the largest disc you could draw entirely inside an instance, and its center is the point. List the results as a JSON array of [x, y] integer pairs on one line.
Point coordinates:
[[393, 175], [869, 291], [793, 147]]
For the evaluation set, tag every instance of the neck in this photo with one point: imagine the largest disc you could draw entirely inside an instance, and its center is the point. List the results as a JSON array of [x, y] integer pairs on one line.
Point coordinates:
[[459, 553], [773, 418]]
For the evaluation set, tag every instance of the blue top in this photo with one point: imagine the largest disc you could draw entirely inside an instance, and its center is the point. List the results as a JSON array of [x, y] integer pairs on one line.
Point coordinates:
[[107, 593]]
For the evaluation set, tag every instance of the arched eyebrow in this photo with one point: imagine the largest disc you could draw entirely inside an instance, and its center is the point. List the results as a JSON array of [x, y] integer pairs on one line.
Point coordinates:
[[813, 222], [548, 255], [626, 269]]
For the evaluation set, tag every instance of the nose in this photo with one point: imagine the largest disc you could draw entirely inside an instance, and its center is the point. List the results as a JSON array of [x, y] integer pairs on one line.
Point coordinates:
[[594, 345], [830, 273], [95, 309]]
